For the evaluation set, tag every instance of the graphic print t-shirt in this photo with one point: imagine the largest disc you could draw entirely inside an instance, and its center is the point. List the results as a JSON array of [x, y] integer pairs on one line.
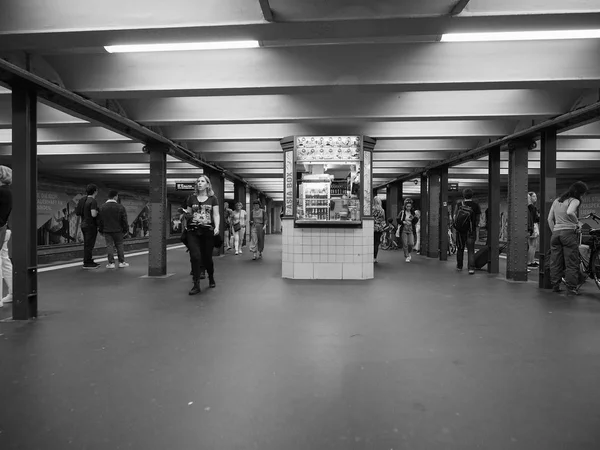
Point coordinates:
[[202, 212]]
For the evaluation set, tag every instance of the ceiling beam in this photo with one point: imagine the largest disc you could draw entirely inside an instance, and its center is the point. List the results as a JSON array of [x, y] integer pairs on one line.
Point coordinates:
[[378, 130], [266, 10], [13, 75], [392, 106], [391, 67], [573, 119], [53, 29], [459, 7]]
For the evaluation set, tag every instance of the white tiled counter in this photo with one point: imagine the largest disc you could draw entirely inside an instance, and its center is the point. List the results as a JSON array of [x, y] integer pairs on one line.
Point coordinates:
[[327, 253]]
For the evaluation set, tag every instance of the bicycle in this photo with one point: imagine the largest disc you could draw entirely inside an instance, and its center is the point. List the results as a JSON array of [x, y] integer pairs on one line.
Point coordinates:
[[388, 238], [590, 268]]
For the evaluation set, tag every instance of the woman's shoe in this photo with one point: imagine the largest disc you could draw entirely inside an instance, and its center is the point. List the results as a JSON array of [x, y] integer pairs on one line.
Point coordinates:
[[254, 256], [236, 252], [195, 289], [259, 255], [211, 281]]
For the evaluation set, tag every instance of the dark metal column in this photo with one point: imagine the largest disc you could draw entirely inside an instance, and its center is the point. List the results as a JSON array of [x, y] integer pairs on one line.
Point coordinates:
[[433, 237], [218, 184], [493, 219], [392, 200], [24, 189], [157, 255], [547, 196], [253, 196], [270, 214], [424, 214], [516, 266], [239, 194], [444, 213]]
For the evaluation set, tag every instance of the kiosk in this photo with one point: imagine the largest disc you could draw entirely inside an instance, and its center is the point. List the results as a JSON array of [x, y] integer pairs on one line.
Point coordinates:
[[327, 223]]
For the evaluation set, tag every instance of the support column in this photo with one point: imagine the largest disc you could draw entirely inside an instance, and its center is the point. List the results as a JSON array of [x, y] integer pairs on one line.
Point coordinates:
[[424, 214], [393, 194], [270, 214], [444, 213], [516, 266], [493, 219], [24, 165], [239, 193], [157, 247], [433, 237], [547, 196], [218, 184]]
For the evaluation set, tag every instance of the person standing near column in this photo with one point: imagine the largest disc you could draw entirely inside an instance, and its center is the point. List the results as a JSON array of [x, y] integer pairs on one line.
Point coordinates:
[[258, 224], [533, 226], [407, 221], [203, 221], [564, 243], [89, 226], [113, 224], [238, 225], [6, 202], [379, 224], [465, 223]]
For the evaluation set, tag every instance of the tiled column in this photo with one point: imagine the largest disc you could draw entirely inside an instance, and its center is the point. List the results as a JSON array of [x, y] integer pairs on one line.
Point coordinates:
[[157, 247], [24, 188], [546, 197], [433, 218], [516, 265]]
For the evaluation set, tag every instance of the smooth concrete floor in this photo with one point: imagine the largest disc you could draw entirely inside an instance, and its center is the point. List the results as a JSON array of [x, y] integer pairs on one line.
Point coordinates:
[[422, 358]]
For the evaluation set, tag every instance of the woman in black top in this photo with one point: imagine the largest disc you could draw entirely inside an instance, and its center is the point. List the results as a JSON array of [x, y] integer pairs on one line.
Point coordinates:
[[203, 221]]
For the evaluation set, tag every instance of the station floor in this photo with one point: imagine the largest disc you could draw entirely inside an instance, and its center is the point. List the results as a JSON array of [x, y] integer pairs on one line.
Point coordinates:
[[420, 358]]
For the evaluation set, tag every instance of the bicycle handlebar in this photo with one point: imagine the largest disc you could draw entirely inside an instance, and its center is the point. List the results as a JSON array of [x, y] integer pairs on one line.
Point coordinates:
[[593, 216]]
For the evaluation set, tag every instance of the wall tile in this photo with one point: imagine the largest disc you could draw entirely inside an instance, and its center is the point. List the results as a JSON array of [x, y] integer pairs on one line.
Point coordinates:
[[287, 270], [368, 271], [303, 271], [352, 271], [328, 271]]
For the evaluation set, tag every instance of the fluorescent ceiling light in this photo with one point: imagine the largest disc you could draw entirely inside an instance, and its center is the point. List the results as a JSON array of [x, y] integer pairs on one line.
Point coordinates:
[[223, 45], [521, 35]]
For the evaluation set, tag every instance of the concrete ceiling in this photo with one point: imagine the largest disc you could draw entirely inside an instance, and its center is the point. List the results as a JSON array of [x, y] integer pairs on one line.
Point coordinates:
[[324, 67]]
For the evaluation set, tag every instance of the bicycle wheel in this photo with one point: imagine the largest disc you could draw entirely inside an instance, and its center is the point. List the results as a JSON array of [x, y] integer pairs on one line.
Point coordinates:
[[385, 241], [595, 268]]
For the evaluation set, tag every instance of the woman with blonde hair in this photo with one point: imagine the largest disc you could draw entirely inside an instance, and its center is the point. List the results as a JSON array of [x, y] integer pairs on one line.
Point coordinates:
[[406, 225], [238, 224], [6, 202], [203, 221], [379, 225]]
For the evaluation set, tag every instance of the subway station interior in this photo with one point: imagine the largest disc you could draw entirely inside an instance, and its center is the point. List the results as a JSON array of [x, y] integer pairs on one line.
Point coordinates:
[[313, 108]]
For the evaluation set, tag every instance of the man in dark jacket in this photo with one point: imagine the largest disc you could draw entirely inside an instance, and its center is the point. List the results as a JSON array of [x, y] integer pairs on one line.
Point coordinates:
[[113, 224]]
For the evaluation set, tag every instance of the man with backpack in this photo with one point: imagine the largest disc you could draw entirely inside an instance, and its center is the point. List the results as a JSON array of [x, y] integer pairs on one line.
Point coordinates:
[[87, 209], [465, 224]]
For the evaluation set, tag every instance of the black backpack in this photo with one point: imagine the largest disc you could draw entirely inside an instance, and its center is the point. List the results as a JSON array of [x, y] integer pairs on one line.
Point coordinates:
[[80, 206], [463, 221]]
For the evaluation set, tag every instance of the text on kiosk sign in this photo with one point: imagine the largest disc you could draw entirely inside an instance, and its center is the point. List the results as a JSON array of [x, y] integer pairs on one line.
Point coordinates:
[[184, 186]]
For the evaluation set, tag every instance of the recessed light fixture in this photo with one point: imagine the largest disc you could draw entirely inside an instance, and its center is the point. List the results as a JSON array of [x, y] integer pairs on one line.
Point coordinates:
[[521, 35], [183, 46]]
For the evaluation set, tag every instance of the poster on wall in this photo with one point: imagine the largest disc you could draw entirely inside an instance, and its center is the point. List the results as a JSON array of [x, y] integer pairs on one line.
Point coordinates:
[[59, 225], [175, 222]]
